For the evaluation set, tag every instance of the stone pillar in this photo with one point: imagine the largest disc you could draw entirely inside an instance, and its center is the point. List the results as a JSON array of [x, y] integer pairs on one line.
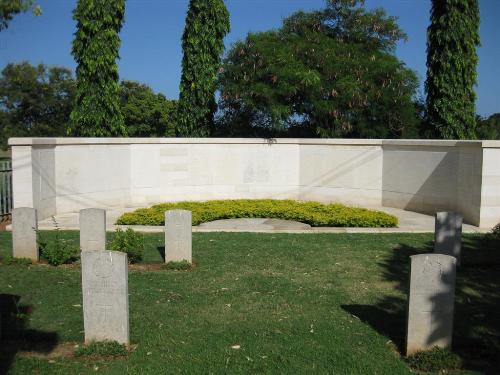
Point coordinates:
[[24, 227], [105, 296], [178, 242], [430, 302], [92, 229], [448, 234]]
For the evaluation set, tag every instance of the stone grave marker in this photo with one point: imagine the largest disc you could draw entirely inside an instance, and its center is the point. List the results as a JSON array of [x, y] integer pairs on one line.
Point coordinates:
[[178, 236], [24, 236], [105, 296], [92, 229], [448, 234], [430, 302]]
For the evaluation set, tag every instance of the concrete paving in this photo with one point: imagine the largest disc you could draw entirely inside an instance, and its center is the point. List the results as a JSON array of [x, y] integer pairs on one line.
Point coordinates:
[[409, 222]]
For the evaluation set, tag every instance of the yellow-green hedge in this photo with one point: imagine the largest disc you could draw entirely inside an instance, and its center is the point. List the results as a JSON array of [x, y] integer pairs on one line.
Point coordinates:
[[314, 213]]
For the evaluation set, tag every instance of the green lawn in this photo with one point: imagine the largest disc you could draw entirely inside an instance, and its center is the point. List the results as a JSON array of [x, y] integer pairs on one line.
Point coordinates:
[[294, 303]]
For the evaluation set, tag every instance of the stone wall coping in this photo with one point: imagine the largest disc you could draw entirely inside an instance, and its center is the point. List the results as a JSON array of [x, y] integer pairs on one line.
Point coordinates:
[[294, 141]]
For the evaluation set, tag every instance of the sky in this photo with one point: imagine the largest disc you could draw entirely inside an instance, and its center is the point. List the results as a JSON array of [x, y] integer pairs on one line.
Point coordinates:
[[151, 38]]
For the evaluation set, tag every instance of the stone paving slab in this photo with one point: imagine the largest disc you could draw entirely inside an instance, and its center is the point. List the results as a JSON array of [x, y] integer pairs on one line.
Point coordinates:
[[409, 222]]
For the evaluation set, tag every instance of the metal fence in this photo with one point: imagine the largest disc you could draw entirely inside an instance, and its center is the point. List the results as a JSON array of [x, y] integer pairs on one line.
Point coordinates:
[[5, 187]]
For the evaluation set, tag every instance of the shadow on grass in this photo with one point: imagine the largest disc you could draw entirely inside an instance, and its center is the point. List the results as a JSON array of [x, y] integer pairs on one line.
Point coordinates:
[[15, 336], [476, 333]]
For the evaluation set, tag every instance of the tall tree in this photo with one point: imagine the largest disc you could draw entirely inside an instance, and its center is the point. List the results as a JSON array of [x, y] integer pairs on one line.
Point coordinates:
[[95, 49], [328, 73], [452, 39], [9, 8], [207, 23]]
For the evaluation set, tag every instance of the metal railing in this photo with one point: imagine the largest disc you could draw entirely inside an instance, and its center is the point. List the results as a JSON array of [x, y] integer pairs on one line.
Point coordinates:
[[5, 187]]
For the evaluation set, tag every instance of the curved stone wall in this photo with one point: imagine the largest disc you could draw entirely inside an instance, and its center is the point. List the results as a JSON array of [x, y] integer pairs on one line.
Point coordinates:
[[58, 175]]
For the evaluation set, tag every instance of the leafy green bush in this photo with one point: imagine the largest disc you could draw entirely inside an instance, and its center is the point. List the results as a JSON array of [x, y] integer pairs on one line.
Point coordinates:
[[434, 360], [313, 213], [129, 242], [496, 230], [60, 250], [102, 349]]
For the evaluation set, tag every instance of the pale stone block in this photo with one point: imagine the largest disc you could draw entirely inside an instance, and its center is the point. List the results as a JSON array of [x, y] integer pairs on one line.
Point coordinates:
[[24, 236], [448, 234], [92, 229], [105, 296], [430, 302], [178, 236]]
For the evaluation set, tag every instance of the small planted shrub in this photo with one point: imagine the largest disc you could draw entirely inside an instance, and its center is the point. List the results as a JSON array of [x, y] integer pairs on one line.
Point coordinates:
[[434, 360], [183, 265], [102, 349], [58, 251], [314, 213], [496, 230], [129, 242]]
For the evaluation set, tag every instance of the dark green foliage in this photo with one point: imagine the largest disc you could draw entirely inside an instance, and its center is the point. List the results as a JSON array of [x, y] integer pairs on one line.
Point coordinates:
[[207, 23], [145, 113], [313, 213], [9, 8], [102, 349], [95, 49], [452, 39], [488, 128], [183, 265], [129, 242], [329, 73], [35, 101], [58, 250], [434, 360]]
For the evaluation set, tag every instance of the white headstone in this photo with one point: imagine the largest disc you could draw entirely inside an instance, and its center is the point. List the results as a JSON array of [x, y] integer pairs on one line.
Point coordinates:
[[448, 234], [105, 296], [24, 227], [178, 236], [430, 302], [92, 229]]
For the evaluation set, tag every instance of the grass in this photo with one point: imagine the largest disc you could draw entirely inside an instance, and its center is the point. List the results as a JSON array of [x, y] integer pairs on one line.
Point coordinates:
[[258, 303], [102, 349], [314, 213]]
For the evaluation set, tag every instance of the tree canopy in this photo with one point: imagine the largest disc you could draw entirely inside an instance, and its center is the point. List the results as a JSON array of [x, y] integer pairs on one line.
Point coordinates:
[[207, 23], [95, 49], [145, 113], [331, 73], [9, 8], [35, 101], [453, 37]]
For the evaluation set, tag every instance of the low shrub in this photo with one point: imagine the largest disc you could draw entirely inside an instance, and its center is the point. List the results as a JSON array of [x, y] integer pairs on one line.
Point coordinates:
[[434, 360], [129, 242], [102, 349], [314, 213], [183, 265], [495, 231], [59, 251]]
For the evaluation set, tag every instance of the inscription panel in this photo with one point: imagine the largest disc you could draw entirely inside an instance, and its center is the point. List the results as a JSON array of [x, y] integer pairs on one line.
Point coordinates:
[[430, 302], [105, 296]]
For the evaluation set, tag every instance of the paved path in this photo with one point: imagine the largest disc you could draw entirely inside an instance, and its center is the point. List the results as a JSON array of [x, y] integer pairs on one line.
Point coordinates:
[[409, 222]]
